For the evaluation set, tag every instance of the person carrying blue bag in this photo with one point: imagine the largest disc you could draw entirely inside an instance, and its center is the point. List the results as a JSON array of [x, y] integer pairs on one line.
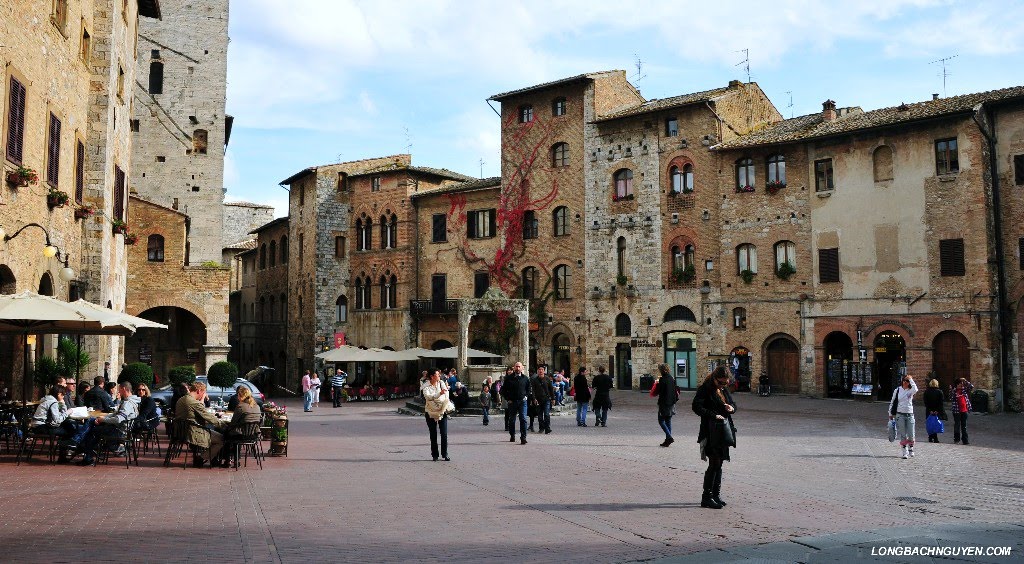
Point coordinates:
[[933, 406]]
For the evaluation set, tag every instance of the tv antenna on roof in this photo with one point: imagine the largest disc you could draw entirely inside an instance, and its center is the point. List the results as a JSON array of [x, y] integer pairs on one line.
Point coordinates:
[[639, 69], [408, 140], [481, 168], [745, 62], [945, 73], [790, 106]]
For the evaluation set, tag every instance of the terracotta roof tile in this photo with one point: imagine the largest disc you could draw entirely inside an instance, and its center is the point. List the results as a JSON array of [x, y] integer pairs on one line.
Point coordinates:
[[666, 103], [559, 82], [475, 184]]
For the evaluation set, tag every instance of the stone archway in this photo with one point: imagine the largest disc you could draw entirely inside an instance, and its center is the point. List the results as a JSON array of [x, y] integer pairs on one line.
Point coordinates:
[[494, 300], [182, 343]]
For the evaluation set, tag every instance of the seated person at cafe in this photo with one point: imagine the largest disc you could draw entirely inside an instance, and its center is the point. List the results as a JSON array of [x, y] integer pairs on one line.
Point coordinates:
[[149, 419], [83, 388], [110, 425], [204, 436], [245, 412], [69, 400], [50, 416], [461, 396], [111, 388], [97, 398]]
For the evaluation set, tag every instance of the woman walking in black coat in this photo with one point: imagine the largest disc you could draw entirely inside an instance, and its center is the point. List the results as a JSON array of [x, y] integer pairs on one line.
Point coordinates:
[[715, 406], [933, 405]]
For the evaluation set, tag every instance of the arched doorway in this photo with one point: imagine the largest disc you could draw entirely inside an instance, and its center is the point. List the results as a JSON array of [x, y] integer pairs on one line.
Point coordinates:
[[180, 344], [782, 360], [46, 285], [838, 355], [623, 366], [951, 358], [681, 358], [560, 353], [739, 364], [890, 362]]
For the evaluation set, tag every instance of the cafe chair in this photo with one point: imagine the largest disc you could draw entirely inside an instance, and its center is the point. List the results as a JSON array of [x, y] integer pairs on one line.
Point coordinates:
[[178, 444], [42, 436], [248, 442], [10, 430], [147, 435], [124, 442]]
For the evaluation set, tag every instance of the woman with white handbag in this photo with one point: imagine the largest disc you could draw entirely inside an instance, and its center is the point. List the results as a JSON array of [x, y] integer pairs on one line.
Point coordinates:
[[436, 408]]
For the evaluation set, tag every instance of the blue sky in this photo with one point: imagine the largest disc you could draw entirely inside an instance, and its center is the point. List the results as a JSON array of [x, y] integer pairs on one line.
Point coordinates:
[[320, 81]]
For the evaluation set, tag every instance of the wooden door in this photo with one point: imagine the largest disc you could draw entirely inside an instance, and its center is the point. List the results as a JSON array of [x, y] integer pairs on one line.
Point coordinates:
[[783, 365], [951, 358]]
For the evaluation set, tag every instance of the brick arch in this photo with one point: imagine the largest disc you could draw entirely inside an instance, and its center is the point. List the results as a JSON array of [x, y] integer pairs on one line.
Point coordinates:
[[187, 306], [873, 330], [684, 158], [962, 326]]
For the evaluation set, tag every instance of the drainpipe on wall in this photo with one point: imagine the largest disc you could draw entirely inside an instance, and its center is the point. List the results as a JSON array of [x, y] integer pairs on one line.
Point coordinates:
[[1010, 400]]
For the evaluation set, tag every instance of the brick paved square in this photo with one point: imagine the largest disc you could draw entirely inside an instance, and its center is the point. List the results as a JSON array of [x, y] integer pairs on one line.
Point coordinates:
[[359, 486]]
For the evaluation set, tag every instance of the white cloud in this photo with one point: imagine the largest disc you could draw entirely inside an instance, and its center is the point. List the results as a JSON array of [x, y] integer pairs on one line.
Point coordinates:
[[366, 103]]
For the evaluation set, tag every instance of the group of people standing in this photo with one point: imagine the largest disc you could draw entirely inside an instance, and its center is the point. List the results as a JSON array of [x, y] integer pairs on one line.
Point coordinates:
[[901, 411]]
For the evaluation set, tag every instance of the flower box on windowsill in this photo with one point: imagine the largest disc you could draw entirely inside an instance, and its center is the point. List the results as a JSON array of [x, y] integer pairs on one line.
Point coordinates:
[[743, 189], [21, 177], [57, 199], [130, 238], [118, 227], [774, 187], [83, 212], [627, 197]]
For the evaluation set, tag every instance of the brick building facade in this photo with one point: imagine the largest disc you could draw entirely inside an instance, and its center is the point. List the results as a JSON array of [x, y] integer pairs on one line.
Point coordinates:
[[65, 116]]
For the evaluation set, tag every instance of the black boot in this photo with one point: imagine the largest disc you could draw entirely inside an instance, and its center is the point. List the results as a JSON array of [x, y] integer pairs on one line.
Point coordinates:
[[716, 489], [707, 500]]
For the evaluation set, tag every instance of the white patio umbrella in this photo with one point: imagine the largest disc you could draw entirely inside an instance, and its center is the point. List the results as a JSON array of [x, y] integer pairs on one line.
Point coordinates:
[[112, 318], [29, 313], [453, 352], [344, 353]]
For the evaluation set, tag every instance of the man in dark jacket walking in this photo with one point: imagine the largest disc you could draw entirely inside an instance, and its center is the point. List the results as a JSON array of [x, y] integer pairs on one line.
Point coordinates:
[[665, 391], [602, 397], [519, 393], [543, 399]]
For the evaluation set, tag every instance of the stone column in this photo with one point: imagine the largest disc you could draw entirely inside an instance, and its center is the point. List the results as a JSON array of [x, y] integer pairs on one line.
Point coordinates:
[[214, 353], [465, 316], [524, 337]]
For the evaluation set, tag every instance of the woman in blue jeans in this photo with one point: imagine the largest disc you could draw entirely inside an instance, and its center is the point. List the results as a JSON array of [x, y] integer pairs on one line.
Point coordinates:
[[582, 389], [903, 399]]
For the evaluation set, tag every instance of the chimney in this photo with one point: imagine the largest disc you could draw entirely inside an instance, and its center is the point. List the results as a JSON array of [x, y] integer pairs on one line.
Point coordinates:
[[828, 112], [733, 84], [935, 96]]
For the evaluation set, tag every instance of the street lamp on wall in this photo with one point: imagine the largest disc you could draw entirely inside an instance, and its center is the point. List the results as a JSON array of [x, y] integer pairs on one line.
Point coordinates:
[[50, 250]]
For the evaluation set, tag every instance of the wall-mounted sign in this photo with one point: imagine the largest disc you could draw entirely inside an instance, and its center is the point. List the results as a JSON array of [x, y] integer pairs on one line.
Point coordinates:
[[643, 343], [339, 339]]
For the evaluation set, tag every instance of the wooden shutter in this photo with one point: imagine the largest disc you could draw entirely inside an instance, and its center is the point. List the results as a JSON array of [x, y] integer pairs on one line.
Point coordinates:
[[471, 219], [951, 257], [491, 220], [1018, 170], [440, 228], [16, 122], [828, 265], [118, 193], [53, 152], [79, 172], [1020, 249]]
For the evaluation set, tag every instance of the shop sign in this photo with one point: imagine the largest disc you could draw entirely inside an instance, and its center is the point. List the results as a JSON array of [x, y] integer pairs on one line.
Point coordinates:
[[339, 339], [534, 326], [644, 344]]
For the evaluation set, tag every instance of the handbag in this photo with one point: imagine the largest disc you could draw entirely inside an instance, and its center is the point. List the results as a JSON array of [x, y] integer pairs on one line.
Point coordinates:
[[722, 434], [934, 425], [892, 430], [895, 400], [572, 391]]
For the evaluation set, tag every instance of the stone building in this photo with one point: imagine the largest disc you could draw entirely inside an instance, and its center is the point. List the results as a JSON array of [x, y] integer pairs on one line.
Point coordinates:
[[65, 117], [653, 229], [179, 121], [240, 218], [180, 132], [190, 299]]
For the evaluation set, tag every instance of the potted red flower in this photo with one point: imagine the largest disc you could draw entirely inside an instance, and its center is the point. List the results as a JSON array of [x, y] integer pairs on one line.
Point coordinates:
[[56, 198], [118, 227], [22, 177], [84, 212], [130, 238]]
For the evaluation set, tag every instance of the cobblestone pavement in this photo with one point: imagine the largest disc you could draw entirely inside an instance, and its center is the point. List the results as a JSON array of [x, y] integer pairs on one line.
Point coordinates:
[[359, 486]]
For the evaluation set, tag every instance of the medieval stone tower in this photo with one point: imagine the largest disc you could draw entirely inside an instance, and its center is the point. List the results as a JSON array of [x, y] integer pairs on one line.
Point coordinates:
[[178, 119]]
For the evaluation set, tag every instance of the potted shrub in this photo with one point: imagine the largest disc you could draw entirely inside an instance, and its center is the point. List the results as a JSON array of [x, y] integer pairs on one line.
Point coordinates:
[[130, 238], [46, 372], [223, 375], [742, 189], [185, 374], [56, 198], [747, 276], [118, 227], [137, 373], [83, 212], [785, 270], [22, 177], [684, 275]]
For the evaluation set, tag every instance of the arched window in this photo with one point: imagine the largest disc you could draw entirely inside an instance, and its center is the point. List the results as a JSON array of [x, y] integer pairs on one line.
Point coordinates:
[[529, 286], [623, 184], [156, 77], [623, 326], [682, 257], [525, 113], [359, 293], [359, 235], [688, 256], [341, 310], [745, 174], [393, 291], [776, 170], [560, 218], [558, 107], [682, 179], [263, 256], [263, 309], [155, 248], [384, 293], [881, 161], [272, 256], [620, 256], [562, 288], [284, 249], [272, 309], [393, 232], [530, 225], [739, 318], [746, 258], [679, 313], [385, 233], [364, 234], [785, 253], [200, 140], [560, 155], [284, 307]]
